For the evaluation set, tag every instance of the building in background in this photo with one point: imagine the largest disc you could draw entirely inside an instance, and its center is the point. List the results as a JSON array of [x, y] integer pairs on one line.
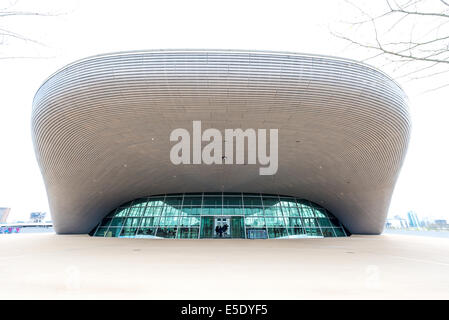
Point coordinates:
[[426, 222], [4, 212], [36, 224], [396, 223], [413, 220], [441, 223], [37, 217], [28, 227]]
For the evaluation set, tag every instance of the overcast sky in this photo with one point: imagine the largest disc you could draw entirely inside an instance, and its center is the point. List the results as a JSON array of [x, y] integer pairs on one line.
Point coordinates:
[[84, 28]]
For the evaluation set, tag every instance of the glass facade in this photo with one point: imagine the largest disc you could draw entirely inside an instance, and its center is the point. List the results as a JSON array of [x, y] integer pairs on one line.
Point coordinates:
[[220, 215]]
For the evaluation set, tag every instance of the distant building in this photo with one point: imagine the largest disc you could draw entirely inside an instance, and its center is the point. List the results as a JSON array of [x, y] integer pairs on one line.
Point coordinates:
[[4, 212], [441, 223], [413, 220], [27, 227], [37, 217], [396, 223], [425, 222]]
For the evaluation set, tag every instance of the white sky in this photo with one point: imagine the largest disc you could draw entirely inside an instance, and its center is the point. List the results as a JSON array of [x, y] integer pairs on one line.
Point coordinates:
[[85, 28]]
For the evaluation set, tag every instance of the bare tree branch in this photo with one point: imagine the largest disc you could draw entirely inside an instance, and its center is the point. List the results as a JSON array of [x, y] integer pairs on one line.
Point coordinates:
[[5, 33], [385, 51], [24, 13], [408, 33], [400, 10]]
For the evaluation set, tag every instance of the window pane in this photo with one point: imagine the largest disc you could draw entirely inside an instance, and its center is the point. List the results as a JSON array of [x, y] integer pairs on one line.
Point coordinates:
[[192, 201], [339, 232], [320, 212], [132, 222], [146, 233], [190, 221], [313, 232], [274, 233], [232, 201], [275, 222], [155, 202], [188, 233], [113, 232], [117, 222], [135, 212], [324, 222], [169, 221], [101, 232], [207, 227], [173, 201], [296, 231], [310, 222], [292, 211], [327, 232], [334, 222], [212, 201], [121, 212], [268, 202], [232, 211], [255, 221], [306, 211], [106, 222], [256, 233], [237, 227], [253, 211], [288, 203], [211, 211], [273, 211], [149, 222], [193, 211], [149, 211], [139, 203], [294, 222], [252, 201], [128, 232], [172, 211], [166, 232]]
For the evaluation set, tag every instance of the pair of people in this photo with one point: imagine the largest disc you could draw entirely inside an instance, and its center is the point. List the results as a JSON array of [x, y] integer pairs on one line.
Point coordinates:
[[221, 229]]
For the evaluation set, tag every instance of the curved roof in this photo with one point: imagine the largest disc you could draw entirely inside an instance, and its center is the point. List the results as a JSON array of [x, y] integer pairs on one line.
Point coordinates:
[[101, 130]]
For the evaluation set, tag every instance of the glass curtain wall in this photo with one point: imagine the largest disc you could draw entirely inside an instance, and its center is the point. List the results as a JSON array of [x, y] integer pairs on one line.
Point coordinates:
[[220, 215]]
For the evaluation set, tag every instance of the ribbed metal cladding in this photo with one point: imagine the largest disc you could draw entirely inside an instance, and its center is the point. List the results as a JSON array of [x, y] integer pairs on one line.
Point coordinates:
[[101, 130]]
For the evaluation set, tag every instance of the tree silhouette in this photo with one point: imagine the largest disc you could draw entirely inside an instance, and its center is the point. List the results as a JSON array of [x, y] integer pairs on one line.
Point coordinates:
[[410, 35]]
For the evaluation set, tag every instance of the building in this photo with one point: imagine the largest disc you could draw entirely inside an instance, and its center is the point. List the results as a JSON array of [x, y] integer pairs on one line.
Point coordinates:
[[426, 222], [22, 227], [397, 223], [413, 219], [37, 217], [106, 130], [4, 213], [441, 223]]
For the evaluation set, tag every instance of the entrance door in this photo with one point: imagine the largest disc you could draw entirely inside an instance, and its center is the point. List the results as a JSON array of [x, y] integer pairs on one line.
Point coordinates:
[[222, 227]]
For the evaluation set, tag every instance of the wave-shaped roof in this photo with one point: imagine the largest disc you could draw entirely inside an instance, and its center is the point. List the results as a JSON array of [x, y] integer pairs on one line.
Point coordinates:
[[101, 130]]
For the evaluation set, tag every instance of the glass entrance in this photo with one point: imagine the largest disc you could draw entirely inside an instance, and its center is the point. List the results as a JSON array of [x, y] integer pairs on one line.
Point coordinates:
[[222, 227], [237, 227], [256, 233], [220, 215]]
